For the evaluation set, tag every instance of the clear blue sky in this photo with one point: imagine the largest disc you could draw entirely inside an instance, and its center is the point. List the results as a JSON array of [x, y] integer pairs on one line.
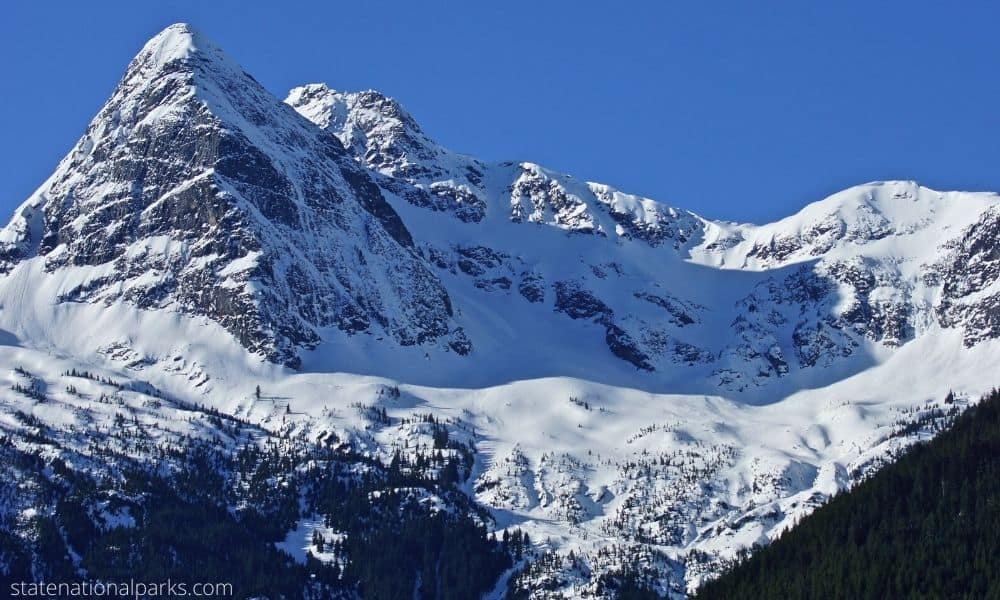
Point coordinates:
[[742, 111]]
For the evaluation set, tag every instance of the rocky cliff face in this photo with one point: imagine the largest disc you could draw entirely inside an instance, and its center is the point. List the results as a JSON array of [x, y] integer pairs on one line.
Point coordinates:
[[968, 273]]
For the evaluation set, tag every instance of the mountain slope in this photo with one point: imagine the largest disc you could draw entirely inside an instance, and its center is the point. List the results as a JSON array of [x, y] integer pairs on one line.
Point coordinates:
[[923, 527]]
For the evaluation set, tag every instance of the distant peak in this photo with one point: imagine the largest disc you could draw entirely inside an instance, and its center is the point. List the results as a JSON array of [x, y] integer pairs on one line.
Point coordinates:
[[312, 89], [312, 92], [372, 96], [324, 98]]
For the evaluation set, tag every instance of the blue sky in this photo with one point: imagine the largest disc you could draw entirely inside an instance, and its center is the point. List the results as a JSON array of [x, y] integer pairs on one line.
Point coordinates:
[[741, 111]]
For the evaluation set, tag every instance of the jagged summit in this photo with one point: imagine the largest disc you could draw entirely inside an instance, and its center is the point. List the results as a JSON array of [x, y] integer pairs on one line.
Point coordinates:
[[377, 128], [176, 42], [331, 108], [182, 50]]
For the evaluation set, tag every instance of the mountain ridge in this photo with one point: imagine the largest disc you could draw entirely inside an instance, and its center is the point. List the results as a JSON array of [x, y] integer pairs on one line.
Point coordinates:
[[835, 233]]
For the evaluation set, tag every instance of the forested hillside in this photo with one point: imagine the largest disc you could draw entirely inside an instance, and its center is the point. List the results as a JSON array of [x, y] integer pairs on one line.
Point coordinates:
[[925, 527]]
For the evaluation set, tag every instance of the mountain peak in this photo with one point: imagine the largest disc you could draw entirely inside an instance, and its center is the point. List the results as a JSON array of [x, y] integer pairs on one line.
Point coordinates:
[[181, 51], [175, 42], [377, 129], [328, 105], [247, 213]]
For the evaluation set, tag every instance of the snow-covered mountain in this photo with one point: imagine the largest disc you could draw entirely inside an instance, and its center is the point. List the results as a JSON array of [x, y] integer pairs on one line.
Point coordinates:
[[641, 384], [690, 303], [196, 190]]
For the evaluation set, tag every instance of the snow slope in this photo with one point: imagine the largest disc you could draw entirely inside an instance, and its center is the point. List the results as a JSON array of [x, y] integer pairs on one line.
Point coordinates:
[[640, 383]]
